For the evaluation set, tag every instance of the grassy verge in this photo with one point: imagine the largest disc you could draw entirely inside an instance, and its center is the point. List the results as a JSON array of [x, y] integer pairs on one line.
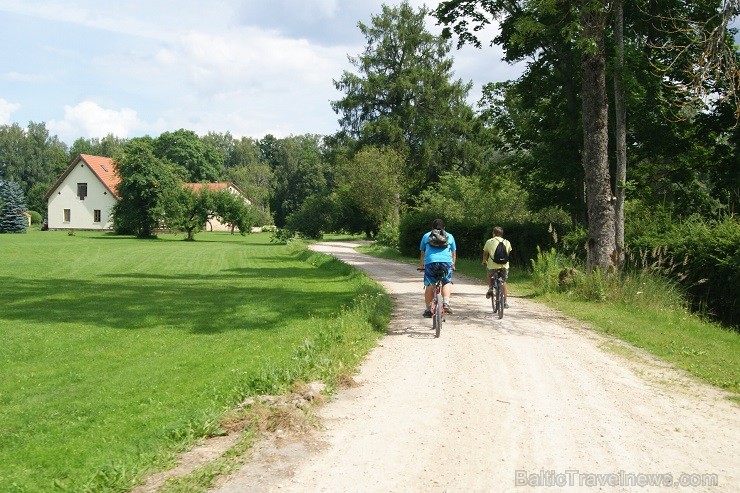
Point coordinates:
[[644, 312], [704, 349], [117, 353]]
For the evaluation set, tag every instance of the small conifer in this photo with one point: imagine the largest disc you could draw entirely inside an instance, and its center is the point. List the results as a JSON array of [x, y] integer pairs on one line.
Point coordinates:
[[12, 207]]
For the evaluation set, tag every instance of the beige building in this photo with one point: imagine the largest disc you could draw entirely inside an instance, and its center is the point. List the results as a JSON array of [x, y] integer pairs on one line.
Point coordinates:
[[84, 195]]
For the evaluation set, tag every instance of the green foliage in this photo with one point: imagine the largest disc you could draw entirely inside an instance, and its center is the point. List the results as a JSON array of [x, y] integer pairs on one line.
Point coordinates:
[[388, 234], [148, 188], [554, 272], [188, 210], [35, 217], [35, 197], [31, 155], [546, 270], [492, 196], [703, 257], [109, 146], [471, 235], [299, 172], [232, 210], [12, 208], [198, 159], [404, 97], [312, 219], [368, 189], [251, 175]]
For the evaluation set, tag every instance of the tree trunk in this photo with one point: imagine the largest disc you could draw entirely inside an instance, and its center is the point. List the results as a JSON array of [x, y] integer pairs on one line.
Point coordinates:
[[620, 131], [601, 244]]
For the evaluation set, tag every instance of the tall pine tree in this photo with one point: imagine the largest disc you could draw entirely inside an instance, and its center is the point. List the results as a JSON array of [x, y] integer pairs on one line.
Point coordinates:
[[12, 208]]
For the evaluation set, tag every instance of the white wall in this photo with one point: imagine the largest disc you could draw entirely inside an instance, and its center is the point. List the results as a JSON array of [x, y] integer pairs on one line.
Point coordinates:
[[81, 211]]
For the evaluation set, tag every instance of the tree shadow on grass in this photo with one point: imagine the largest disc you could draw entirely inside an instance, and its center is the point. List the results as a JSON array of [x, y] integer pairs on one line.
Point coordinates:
[[242, 299]]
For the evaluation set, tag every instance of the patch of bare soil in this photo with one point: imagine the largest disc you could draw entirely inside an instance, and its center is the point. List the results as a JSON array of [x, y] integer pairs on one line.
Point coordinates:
[[278, 420], [533, 402]]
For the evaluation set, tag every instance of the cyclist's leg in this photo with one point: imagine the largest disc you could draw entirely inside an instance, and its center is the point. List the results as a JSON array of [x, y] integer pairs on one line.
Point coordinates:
[[447, 287], [489, 275], [428, 289]]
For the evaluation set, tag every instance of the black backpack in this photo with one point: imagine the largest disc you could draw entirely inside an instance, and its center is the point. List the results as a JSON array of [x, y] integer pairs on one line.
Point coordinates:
[[500, 255], [438, 238]]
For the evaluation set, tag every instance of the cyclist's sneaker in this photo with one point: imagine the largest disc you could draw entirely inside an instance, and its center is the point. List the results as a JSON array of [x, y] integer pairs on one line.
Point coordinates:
[[447, 308], [506, 305], [427, 313], [489, 293]]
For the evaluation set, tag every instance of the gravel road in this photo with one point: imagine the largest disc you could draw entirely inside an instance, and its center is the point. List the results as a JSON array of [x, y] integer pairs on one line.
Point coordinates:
[[533, 402]]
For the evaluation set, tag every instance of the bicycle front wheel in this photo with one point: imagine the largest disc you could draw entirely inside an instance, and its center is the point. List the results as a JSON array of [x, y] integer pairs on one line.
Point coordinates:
[[437, 314]]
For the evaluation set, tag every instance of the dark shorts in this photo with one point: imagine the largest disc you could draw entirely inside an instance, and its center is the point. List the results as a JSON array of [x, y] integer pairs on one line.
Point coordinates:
[[431, 269], [491, 272]]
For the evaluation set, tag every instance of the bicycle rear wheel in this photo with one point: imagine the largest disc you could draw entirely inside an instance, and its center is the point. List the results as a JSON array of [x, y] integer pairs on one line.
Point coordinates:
[[494, 296], [500, 298], [437, 314]]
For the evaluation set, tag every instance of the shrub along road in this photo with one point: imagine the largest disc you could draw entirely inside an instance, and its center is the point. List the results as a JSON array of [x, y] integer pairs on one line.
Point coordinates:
[[532, 402]]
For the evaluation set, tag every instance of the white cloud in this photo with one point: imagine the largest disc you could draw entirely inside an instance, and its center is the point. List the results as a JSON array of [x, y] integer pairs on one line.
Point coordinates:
[[6, 108], [87, 119], [244, 66]]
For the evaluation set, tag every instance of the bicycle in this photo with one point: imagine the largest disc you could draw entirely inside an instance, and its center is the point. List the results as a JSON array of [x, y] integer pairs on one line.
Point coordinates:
[[438, 307], [497, 286]]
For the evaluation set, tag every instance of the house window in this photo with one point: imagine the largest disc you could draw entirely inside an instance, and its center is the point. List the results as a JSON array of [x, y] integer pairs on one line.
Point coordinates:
[[96, 215], [82, 190], [67, 215]]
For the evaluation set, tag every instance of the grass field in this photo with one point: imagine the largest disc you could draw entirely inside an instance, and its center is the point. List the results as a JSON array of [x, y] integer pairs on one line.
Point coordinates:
[[116, 352]]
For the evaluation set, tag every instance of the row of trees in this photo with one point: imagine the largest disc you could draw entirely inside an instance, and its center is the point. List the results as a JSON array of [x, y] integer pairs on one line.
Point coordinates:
[[678, 55], [542, 147]]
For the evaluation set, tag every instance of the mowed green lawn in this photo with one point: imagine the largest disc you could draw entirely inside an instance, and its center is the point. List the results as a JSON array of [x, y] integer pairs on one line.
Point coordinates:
[[116, 352]]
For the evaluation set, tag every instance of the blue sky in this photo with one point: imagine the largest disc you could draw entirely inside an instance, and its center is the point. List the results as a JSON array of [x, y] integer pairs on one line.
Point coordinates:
[[88, 68]]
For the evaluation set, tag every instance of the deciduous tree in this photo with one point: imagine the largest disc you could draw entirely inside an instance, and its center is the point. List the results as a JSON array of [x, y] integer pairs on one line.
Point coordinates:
[[299, 172], [369, 188], [148, 187], [199, 160]]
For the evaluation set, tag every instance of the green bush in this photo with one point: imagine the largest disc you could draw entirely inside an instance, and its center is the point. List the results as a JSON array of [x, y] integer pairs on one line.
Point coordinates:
[[703, 257], [546, 269], [35, 217], [388, 234], [313, 218], [471, 235], [709, 257]]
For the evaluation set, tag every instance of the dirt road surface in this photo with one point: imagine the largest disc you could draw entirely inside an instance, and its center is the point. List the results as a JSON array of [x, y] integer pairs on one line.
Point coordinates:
[[533, 402]]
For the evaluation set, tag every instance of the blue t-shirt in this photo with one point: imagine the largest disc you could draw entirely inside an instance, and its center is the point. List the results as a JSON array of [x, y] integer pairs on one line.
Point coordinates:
[[437, 254]]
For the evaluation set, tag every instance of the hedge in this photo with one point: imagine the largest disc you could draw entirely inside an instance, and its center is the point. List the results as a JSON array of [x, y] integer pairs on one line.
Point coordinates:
[[704, 259], [470, 236]]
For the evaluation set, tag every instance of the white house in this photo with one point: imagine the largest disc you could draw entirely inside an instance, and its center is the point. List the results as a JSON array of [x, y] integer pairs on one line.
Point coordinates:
[[84, 195]]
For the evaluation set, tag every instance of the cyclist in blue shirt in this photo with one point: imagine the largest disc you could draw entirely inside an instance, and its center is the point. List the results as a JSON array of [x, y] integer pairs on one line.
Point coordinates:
[[434, 258]]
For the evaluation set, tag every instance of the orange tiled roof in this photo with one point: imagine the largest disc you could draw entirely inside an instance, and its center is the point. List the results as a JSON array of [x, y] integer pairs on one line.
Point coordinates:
[[103, 167]]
